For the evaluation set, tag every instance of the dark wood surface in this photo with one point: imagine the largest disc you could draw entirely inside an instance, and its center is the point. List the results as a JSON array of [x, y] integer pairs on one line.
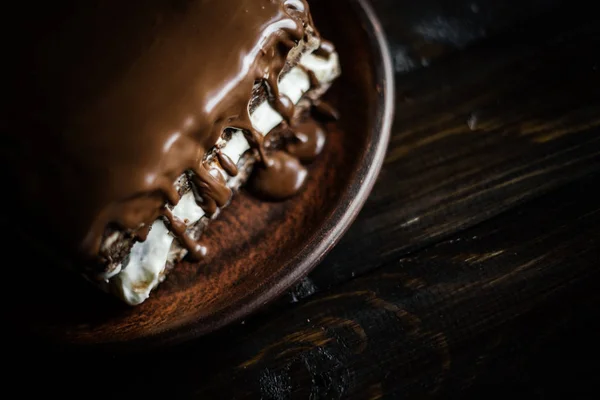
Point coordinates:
[[472, 271]]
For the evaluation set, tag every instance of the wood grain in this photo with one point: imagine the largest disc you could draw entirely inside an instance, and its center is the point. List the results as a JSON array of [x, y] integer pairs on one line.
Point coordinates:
[[475, 134]]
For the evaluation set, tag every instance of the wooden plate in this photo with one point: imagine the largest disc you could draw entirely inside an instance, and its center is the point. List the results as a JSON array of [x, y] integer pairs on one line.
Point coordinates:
[[258, 249]]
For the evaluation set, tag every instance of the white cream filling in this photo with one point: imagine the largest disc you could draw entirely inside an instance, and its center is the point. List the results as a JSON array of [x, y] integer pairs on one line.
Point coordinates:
[[147, 260]]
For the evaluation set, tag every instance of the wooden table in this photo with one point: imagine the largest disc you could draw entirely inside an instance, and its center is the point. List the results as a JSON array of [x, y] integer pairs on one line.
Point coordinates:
[[472, 270]]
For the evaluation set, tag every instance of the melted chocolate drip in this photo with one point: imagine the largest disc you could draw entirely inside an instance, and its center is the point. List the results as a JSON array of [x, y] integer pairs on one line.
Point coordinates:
[[312, 77], [255, 140], [282, 177], [179, 229], [142, 233], [281, 103], [307, 142], [227, 164], [284, 106], [323, 109], [210, 188]]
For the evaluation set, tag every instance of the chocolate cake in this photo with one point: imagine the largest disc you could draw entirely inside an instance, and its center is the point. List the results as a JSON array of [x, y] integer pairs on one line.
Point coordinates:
[[133, 123]]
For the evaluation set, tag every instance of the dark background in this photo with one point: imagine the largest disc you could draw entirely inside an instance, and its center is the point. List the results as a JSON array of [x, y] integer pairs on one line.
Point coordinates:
[[472, 271]]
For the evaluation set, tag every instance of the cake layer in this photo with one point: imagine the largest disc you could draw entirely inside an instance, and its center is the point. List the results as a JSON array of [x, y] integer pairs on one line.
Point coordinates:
[[147, 262], [130, 125]]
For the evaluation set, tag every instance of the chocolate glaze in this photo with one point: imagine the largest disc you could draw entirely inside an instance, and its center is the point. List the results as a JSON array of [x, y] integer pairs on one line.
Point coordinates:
[[281, 103], [117, 100], [308, 140], [210, 188], [179, 229], [143, 232], [281, 177], [227, 164], [314, 81]]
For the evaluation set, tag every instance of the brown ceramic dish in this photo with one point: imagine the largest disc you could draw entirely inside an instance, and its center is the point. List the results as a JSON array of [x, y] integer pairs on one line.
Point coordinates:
[[260, 249]]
